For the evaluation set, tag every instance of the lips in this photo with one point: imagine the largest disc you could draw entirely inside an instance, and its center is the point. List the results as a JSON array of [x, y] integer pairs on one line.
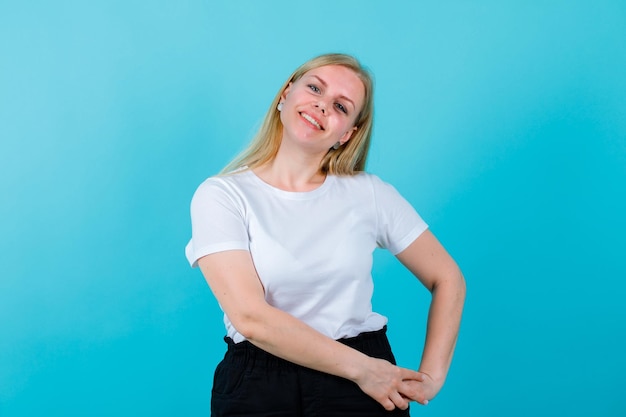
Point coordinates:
[[311, 120]]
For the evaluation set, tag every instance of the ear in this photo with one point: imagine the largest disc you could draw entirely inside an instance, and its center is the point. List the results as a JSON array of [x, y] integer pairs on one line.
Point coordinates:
[[283, 96], [346, 136]]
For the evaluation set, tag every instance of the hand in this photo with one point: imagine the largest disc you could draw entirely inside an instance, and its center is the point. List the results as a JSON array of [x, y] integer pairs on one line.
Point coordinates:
[[390, 385], [424, 389]]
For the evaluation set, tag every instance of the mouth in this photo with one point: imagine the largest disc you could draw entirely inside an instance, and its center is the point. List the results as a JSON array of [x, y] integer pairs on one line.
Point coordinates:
[[311, 120]]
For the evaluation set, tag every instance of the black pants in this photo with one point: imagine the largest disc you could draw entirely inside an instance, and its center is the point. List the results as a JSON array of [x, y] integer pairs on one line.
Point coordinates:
[[252, 382]]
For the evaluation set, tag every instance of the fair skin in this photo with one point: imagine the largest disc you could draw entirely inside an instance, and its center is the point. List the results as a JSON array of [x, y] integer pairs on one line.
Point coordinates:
[[318, 110], [427, 259]]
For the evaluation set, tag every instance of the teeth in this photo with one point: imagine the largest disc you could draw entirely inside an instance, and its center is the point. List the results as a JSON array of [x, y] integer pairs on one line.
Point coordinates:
[[312, 120]]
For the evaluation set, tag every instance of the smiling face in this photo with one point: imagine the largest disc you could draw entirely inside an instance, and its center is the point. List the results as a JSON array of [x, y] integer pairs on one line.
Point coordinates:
[[320, 108]]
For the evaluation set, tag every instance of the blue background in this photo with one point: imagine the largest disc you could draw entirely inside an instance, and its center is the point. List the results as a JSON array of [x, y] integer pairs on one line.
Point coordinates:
[[502, 122]]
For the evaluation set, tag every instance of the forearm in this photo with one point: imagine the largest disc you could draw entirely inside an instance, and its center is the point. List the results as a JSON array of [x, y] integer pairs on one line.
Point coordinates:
[[444, 319], [284, 336], [233, 280]]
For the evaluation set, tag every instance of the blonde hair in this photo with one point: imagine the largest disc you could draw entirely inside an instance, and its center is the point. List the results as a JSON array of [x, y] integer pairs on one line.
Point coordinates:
[[348, 159]]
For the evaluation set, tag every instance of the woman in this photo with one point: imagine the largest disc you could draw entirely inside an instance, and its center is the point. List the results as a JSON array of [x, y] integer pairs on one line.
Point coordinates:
[[284, 238]]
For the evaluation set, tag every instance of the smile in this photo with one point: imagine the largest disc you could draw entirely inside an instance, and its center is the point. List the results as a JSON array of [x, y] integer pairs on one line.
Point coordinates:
[[311, 120]]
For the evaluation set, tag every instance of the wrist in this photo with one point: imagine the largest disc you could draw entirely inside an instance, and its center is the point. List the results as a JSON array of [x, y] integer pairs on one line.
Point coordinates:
[[357, 367]]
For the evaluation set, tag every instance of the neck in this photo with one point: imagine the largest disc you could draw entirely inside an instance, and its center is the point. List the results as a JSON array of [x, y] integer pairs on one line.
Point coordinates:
[[292, 172]]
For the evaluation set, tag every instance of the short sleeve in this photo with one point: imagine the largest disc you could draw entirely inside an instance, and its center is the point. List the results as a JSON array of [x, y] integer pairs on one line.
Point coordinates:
[[399, 224], [217, 221]]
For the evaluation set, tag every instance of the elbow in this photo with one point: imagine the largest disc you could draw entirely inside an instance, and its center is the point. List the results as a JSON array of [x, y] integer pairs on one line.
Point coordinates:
[[462, 285], [459, 285], [453, 282], [243, 327], [249, 322]]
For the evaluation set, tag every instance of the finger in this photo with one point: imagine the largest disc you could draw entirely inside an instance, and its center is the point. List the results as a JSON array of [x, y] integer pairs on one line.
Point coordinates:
[[426, 376], [411, 390], [388, 404], [411, 374], [420, 398], [399, 401]]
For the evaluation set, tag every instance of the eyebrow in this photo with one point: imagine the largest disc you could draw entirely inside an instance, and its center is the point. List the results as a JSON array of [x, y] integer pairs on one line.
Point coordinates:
[[325, 85]]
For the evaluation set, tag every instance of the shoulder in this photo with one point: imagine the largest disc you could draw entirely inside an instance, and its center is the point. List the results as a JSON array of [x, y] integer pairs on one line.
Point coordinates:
[[383, 194], [368, 189], [364, 180], [359, 178], [224, 182], [222, 187]]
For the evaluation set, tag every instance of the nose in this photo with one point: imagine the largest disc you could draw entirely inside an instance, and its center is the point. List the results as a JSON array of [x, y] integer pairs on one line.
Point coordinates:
[[322, 106]]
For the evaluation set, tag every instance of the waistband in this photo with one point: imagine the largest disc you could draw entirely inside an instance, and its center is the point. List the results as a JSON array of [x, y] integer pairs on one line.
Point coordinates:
[[374, 343], [350, 341]]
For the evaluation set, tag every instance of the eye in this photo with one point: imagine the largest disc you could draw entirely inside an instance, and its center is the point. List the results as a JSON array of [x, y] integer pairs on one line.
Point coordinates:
[[314, 88], [341, 108]]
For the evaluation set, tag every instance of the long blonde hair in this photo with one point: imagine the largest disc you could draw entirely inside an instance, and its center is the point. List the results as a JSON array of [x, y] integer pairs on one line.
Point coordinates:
[[348, 159]]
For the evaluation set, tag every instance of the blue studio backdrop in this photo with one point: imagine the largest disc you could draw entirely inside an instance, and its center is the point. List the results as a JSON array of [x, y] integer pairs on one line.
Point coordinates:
[[502, 122]]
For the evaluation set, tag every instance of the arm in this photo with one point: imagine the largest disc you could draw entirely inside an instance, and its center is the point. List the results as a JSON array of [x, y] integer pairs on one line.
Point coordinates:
[[232, 278], [428, 260]]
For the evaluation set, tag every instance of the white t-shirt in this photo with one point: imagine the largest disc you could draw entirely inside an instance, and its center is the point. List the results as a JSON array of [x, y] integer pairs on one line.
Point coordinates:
[[312, 250]]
